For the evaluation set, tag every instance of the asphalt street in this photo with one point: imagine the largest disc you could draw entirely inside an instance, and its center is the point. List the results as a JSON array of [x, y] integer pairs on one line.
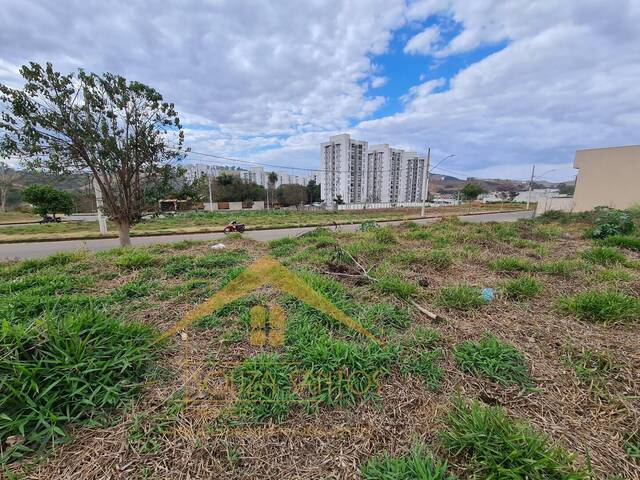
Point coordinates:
[[11, 251]]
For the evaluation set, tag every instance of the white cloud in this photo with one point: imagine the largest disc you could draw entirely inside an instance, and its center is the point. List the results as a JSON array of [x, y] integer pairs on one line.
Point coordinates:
[[377, 82], [424, 42], [276, 78]]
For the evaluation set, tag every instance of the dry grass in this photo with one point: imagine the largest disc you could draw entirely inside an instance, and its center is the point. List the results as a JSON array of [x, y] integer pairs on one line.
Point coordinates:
[[202, 438]]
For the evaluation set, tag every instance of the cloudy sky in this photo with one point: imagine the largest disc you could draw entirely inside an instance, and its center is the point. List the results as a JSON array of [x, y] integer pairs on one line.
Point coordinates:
[[501, 84]]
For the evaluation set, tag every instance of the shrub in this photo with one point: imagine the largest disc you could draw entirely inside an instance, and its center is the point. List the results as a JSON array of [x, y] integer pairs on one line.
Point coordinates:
[[605, 307], [459, 297], [493, 359], [416, 465], [395, 286], [132, 258], [264, 387], [439, 259], [624, 241], [511, 264], [65, 369], [610, 221], [499, 447], [521, 288], [604, 256]]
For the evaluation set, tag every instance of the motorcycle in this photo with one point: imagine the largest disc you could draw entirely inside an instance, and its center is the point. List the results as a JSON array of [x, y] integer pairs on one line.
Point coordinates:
[[50, 219], [234, 227]]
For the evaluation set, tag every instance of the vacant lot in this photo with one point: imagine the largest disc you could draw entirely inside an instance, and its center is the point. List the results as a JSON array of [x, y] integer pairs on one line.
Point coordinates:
[[537, 378], [215, 222]]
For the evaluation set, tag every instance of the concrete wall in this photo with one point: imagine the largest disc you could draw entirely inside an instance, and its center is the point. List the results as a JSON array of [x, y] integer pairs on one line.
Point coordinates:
[[564, 204], [233, 206], [607, 177]]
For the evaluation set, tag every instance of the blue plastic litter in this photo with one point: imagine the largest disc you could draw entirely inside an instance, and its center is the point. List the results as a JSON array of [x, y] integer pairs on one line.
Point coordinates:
[[487, 294]]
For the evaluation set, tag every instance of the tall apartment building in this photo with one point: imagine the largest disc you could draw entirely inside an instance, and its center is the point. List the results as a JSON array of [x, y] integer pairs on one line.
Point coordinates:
[[343, 169], [382, 175]]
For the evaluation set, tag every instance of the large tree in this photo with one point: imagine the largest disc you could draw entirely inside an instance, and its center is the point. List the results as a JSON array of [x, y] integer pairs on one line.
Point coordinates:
[[471, 191], [7, 181], [122, 132], [292, 194]]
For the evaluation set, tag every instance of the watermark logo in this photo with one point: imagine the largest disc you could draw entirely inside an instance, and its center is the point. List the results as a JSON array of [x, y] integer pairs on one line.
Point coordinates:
[[267, 326]]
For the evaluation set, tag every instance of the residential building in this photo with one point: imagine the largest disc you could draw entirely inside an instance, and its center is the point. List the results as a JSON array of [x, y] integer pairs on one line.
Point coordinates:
[[342, 163], [360, 173], [607, 177]]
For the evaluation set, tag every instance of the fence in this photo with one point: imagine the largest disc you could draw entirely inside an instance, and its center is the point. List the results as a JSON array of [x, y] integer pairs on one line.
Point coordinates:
[[382, 205]]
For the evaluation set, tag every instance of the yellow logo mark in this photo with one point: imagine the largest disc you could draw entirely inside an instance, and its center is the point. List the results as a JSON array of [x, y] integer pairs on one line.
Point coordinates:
[[267, 270]]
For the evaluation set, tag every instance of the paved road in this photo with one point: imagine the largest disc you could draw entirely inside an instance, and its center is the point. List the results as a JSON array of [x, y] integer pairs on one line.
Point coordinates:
[[12, 251]]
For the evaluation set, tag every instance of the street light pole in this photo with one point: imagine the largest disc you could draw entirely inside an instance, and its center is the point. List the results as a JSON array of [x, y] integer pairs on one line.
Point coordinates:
[[425, 194]]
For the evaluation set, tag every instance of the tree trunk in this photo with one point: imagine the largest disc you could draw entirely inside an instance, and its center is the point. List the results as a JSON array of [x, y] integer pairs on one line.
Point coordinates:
[[123, 234]]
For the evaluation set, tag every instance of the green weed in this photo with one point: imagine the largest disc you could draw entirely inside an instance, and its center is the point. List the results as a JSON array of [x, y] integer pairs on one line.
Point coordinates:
[[562, 268], [614, 275], [493, 359], [459, 297], [604, 307], [384, 235], [282, 246], [439, 259], [425, 364], [138, 288], [395, 286], [511, 264], [500, 448], [66, 369], [416, 465], [132, 258], [521, 288], [604, 256], [592, 367], [264, 388], [388, 315], [623, 241]]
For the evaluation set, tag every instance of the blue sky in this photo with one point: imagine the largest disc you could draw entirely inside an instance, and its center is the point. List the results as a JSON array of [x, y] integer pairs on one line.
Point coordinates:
[[501, 84]]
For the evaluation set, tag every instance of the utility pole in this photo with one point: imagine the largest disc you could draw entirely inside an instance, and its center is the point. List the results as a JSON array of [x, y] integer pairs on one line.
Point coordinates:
[[210, 195], [533, 171], [425, 195], [102, 220]]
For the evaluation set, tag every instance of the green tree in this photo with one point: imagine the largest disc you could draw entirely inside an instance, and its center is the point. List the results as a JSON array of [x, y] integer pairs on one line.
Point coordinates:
[[122, 132], [566, 188], [314, 191], [338, 200], [291, 194], [231, 188], [47, 200], [471, 191]]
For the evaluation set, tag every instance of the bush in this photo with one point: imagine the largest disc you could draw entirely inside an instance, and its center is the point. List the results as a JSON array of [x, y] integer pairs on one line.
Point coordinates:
[[604, 256], [65, 369], [416, 465], [501, 448], [521, 288], [511, 264], [459, 297], [605, 307], [624, 241], [493, 359], [610, 221], [264, 387]]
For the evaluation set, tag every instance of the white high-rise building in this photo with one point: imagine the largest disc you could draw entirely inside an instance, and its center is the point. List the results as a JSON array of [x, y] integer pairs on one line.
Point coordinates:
[[375, 174], [342, 164]]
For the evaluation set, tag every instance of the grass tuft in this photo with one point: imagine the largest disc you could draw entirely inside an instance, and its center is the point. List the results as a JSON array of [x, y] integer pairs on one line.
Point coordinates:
[[493, 359], [501, 448], [604, 256], [521, 288], [395, 286], [604, 307], [459, 297], [439, 259], [416, 465], [511, 264], [629, 242], [132, 259]]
